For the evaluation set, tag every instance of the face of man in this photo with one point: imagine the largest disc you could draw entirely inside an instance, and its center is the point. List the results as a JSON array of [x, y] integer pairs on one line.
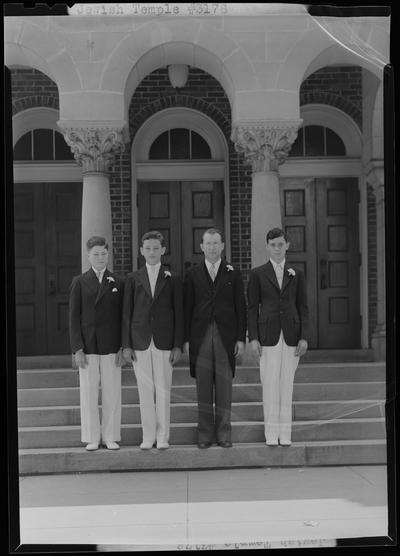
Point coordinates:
[[277, 248], [152, 250], [98, 257], [212, 247]]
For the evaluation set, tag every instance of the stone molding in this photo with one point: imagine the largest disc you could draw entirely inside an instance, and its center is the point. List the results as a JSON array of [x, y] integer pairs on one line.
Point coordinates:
[[265, 144], [94, 146], [375, 176]]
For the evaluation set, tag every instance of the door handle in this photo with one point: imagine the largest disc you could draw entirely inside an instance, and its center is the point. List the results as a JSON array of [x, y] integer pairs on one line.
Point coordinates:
[[52, 284], [323, 274]]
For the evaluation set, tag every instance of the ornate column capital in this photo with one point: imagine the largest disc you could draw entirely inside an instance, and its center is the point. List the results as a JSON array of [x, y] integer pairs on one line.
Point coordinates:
[[375, 176], [265, 143], [94, 145]]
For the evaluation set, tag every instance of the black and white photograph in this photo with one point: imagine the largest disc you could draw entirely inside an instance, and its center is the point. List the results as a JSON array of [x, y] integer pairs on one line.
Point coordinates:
[[200, 281]]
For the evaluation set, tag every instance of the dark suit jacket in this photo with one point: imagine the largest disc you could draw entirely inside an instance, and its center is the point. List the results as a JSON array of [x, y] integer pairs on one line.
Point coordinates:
[[222, 301], [145, 317], [272, 309], [95, 313]]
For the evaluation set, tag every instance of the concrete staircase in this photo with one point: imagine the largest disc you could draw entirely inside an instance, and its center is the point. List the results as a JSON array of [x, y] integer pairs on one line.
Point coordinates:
[[338, 412]]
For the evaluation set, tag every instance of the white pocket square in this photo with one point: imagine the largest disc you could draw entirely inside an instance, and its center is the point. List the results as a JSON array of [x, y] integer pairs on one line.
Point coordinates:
[[114, 290]]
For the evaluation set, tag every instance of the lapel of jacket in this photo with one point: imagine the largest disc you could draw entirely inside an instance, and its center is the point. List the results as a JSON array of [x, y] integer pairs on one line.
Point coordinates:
[[204, 275], [161, 281], [104, 286], [222, 275], [144, 280], [91, 281], [286, 277], [270, 274]]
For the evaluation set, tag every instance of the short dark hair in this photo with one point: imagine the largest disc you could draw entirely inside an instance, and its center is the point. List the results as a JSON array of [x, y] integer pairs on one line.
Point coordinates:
[[213, 231], [96, 240], [153, 234], [276, 232]]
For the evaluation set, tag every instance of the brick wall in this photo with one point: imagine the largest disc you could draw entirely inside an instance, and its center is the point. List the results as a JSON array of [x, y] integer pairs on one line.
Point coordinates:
[[339, 86], [31, 88]]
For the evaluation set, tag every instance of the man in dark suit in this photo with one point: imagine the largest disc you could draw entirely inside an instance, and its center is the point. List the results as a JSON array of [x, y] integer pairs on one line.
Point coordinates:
[[215, 333], [277, 327], [95, 306], [152, 337]]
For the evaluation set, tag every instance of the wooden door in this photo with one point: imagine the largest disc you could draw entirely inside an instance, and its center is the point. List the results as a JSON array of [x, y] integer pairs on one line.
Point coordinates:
[[181, 211], [47, 221], [320, 218]]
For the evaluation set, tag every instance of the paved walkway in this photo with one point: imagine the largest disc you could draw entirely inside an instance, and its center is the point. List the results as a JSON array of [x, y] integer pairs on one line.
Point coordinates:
[[207, 509]]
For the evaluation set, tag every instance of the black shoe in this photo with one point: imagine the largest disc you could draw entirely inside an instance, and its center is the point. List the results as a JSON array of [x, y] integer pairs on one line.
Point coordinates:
[[225, 444], [203, 445]]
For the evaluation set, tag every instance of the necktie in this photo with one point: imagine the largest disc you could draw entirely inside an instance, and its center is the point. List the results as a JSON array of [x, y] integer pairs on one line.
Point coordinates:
[[153, 279], [279, 274], [98, 273], [212, 272]]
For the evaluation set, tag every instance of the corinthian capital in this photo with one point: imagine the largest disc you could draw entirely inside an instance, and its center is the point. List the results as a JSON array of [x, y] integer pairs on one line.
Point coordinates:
[[94, 145], [265, 144]]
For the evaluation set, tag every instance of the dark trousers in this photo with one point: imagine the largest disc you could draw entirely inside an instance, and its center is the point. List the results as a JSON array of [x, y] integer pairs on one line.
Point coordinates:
[[213, 378]]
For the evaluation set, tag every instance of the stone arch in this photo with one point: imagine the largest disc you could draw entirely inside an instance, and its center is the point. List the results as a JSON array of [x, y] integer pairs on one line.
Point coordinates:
[[34, 118], [332, 99]]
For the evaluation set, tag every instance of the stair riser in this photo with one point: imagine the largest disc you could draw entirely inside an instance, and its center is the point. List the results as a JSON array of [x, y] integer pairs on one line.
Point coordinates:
[[241, 393], [131, 415], [70, 378], [132, 435]]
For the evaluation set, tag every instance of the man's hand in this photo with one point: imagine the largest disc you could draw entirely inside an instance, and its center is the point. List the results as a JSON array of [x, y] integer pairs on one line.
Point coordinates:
[[175, 355], [129, 355], [256, 347], [301, 348], [239, 348], [119, 358], [81, 359], [186, 348]]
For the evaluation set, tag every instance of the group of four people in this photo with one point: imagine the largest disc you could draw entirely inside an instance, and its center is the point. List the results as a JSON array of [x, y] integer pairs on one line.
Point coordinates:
[[151, 317]]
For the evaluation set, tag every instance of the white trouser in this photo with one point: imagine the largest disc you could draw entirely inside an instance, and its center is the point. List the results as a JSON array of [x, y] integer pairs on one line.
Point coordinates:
[[153, 371], [277, 368], [100, 368]]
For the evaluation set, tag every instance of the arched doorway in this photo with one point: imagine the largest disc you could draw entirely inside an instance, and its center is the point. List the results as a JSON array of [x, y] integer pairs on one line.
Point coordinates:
[[322, 213], [180, 183]]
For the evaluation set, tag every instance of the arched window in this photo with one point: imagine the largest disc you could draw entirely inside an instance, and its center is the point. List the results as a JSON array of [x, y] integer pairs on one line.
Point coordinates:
[[179, 144], [43, 145], [316, 140]]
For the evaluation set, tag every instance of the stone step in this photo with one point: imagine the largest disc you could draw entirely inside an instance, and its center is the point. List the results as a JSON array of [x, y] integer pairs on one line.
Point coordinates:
[[186, 433], [187, 412], [312, 356], [323, 372], [316, 391], [299, 454]]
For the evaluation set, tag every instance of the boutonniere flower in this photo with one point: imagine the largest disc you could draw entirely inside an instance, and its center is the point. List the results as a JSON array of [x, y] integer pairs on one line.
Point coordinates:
[[167, 274], [114, 290], [229, 267], [291, 272], [110, 279]]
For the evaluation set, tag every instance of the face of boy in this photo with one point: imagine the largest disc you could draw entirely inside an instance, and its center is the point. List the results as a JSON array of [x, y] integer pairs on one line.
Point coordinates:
[[277, 248], [98, 257], [152, 251], [212, 247]]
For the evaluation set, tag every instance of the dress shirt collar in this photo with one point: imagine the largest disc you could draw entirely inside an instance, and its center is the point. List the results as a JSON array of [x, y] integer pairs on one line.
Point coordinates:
[[274, 264], [99, 273], [216, 265], [153, 268]]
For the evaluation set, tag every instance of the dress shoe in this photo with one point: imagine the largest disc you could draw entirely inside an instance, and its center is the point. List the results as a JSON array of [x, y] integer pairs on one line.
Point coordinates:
[[162, 445], [92, 446], [146, 446], [112, 446], [272, 443], [284, 442], [203, 445], [225, 444]]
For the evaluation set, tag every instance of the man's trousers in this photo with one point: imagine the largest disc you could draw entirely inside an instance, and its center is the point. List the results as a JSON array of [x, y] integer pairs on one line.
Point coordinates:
[[100, 368], [153, 371], [277, 368], [213, 377]]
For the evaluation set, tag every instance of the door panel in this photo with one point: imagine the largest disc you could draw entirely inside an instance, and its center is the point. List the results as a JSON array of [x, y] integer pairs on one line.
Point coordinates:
[[320, 218], [47, 255], [181, 211]]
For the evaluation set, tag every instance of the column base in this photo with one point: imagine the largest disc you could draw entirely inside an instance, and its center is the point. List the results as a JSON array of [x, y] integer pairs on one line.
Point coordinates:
[[378, 343]]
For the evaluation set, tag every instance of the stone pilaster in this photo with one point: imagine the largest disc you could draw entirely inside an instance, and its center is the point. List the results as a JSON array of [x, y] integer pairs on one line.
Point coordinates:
[[265, 145], [94, 148]]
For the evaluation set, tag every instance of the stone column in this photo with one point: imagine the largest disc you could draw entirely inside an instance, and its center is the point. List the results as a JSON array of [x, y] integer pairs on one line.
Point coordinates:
[[375, 177], [94, 148], [265, 146]]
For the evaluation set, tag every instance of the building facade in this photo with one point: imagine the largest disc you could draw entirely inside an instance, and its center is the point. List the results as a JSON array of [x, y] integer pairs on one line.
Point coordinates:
[[129, 121]]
